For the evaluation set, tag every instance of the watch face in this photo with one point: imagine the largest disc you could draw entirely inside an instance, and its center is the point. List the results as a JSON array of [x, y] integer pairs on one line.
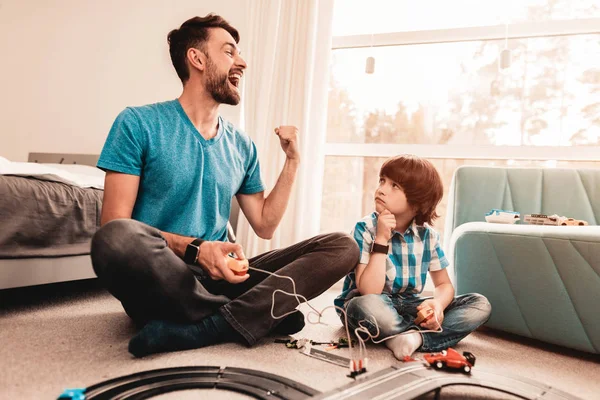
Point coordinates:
[[191, 253]]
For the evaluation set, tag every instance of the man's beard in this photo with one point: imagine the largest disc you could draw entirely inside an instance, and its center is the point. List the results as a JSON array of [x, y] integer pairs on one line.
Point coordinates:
[[219, 86]]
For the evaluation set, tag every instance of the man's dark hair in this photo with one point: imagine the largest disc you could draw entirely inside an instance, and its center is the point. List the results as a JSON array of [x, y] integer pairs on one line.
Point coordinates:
[[194, 33], [420, 182]]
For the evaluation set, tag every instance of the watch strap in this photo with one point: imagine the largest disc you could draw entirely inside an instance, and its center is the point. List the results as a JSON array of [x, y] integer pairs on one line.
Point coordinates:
[[192, 251], [379, 248]]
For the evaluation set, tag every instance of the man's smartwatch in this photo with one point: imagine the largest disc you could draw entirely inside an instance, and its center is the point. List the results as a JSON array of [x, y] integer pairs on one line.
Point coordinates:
[[192, 251], [379, 248]]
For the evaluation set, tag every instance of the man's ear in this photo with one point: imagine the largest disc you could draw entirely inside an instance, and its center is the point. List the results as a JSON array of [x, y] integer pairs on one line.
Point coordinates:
[[196, 59]]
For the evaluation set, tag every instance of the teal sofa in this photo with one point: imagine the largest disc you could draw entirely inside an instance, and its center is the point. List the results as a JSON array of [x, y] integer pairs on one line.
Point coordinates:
[[543, 281]]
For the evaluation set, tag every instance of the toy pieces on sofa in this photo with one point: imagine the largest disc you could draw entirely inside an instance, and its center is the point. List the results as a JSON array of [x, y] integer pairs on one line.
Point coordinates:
[[541, 219], [498, 216], [554, 219], [564, 221]]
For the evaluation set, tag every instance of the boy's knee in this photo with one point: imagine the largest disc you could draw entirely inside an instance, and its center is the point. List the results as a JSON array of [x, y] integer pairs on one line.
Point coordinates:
[[364, 303], [480, 310], [372, 312], [368, 306], [483, 305]]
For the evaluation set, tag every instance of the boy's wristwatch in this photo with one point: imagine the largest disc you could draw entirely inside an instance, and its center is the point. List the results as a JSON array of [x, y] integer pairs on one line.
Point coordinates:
[[192, 251], [379, 248]]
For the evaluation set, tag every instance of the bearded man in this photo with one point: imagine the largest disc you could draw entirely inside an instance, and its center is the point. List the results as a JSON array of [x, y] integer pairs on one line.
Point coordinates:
[[172, 169]]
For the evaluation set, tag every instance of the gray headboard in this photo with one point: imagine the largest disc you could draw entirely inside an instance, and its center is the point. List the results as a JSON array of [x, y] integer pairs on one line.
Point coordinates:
[[62, 158]]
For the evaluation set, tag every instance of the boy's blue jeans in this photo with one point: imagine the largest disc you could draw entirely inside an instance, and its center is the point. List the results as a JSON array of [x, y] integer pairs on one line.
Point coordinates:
[[395, 314]]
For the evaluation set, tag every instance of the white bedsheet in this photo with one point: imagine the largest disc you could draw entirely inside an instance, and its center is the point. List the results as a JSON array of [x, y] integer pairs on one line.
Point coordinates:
[[76, 175]]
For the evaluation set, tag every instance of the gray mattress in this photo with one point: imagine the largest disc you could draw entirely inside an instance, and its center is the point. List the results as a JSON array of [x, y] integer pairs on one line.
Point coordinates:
[[41, 218]]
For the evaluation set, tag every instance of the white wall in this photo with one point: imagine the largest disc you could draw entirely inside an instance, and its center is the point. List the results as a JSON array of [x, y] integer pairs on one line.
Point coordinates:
[[68, 67]]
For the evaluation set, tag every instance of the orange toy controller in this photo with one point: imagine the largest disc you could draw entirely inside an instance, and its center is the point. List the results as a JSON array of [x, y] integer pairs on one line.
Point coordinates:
[[238, 266], [424, 315]]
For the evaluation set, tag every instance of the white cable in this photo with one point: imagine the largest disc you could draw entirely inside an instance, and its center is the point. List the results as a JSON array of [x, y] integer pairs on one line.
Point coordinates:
[[298, 297], [295, 294], [364, 329], [362, 348]]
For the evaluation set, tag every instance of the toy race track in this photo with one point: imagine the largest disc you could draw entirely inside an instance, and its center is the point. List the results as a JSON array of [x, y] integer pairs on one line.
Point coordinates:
[[417, 379], [409, 382], [142, 385]]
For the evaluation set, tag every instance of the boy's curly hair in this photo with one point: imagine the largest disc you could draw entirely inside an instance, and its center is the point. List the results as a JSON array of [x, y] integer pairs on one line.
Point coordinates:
[[420, 182]]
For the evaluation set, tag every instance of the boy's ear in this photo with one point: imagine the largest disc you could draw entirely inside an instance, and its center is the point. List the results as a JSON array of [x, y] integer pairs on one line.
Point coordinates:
[[416, 210], [413, 207]]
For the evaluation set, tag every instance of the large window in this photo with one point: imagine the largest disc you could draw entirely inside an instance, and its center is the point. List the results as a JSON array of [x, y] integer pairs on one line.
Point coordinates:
[[454, 93], [438, 91]]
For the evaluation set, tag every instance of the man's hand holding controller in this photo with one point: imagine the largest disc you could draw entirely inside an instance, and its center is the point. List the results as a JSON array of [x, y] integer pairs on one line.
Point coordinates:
[[219, 265]]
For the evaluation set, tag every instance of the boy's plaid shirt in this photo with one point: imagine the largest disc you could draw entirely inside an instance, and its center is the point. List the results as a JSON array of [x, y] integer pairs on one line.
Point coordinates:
[[410, 256]]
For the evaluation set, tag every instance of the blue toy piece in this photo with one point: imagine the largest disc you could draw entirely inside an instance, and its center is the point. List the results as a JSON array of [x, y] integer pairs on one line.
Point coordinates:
[[498, 211], [72, 394]]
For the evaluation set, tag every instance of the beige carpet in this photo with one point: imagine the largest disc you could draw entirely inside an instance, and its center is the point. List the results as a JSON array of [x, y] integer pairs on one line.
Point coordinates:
[[75, 334]]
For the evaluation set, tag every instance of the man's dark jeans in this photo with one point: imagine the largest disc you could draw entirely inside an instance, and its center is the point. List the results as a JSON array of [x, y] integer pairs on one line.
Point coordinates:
[[134, 263]]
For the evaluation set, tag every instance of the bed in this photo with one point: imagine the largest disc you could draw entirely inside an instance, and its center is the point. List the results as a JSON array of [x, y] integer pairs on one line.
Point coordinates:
[[49, 210]]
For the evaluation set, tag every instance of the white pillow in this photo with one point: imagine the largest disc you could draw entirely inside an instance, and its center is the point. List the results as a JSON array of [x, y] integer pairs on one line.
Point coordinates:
[[79, 169], [76, 175]]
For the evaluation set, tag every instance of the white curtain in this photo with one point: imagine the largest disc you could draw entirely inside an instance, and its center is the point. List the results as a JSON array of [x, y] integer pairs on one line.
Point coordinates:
[[288, 50]]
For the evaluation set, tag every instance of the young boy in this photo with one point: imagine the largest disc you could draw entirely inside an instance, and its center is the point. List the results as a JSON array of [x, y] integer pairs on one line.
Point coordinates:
[[397, 248]]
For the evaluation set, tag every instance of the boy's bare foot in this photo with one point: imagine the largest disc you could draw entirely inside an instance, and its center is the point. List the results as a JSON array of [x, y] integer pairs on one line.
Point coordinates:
[[405, 344]]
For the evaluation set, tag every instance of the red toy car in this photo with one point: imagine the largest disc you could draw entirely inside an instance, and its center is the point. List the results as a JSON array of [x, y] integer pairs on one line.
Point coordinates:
[[451, 359]]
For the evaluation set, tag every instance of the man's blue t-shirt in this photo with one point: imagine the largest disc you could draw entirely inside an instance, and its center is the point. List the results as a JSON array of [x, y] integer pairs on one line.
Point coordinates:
[[186, 181]]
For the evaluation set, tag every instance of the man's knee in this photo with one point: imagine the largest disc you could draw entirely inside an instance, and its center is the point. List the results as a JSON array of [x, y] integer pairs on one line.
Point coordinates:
[[112, 243], [114, 235], [346, 250]]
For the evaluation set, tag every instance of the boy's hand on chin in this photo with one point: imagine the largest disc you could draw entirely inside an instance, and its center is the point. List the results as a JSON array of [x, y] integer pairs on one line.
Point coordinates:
[[386, 222], [432, 323]]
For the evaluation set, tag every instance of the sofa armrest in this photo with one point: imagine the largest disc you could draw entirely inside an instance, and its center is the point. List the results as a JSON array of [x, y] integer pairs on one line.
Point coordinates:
[[542, 281], [590, 232]]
